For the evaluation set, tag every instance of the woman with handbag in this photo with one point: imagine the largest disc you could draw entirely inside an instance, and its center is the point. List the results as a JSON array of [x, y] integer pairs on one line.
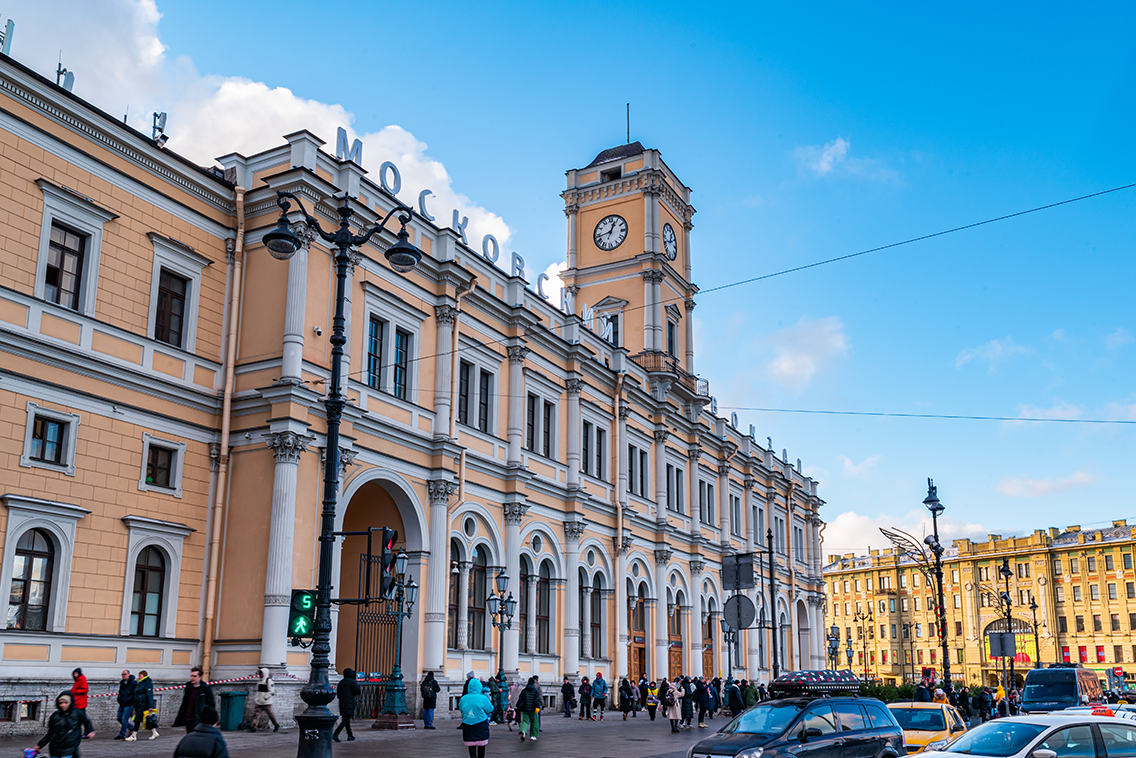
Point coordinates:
[[265, 694], [145, 711]]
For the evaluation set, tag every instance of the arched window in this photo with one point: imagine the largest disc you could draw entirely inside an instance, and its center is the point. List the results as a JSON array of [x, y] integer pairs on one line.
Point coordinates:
[[478, 575], [455, 589], [149, 584], [597, 621], [31, 581], [523, 605], [543, 607]]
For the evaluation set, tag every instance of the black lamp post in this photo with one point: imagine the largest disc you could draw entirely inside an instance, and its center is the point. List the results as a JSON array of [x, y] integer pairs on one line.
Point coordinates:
[[848, 650], [834, 646], [317, 720], [1036, 644], [1006, 573], [729, 637], [860, 617], [501, 615], [405, 595], [773, 601], [932, 540]]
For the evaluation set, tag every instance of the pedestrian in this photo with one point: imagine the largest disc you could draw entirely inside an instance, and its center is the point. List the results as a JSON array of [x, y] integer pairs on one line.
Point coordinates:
[[262, 700], [145, 717], [761, 694], [125, 703], [652, 699], [347, 692], [429, 690], [734, 699], [671, 703], [502, 703], [79, 690], [687, 693], [643, 687], [750, 695], [702, 699], [964, 704], [66, 728], [197, 695], [586, 700], [468, 678], [715, 692], [568, 692], [205, 741], [634, 699], [475, 709], [625, 700], [599, 694], [528, 708], [494, 693], [940, 697]]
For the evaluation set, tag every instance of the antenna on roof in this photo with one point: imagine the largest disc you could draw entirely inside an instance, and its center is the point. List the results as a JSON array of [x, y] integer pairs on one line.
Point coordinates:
[[6, 37], [63, 77], [629, 123]]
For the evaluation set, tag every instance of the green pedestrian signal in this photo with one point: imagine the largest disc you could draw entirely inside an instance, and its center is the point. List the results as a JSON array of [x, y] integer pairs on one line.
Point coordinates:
[[302, 614]]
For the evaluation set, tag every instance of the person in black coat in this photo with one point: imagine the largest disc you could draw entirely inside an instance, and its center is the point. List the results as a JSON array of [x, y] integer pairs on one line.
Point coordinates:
[[734, 699], [143, 701], [125, 703], [205, 741], [686, 691], [347, 691], [66, 728], [429, 690], [197, 697], [568, 693]]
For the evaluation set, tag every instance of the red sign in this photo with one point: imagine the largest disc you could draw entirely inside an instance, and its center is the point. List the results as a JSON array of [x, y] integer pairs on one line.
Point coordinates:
[[1118, 671]]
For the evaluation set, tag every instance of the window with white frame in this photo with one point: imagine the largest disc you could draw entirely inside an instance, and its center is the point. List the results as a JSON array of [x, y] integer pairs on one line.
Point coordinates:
[[392, 339], [50, 439], [51, 525], [175, 287], [477, 385], [70, 246], [638, 471], [676, 488], [593, 449], [540, 416], [706, 502], [735, 515], [162, 463], [153, 576], [798, 543], [779, 533]]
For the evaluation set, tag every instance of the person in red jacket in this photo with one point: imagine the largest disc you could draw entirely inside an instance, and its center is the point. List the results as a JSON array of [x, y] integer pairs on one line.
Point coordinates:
[[79, 690]]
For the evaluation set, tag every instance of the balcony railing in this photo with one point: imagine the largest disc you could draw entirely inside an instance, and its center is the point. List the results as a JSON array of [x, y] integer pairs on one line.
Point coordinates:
[[656, 361]]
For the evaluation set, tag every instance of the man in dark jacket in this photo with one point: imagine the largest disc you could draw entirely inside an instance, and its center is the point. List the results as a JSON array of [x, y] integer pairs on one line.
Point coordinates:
[[197, 696], [125, 703], [568, 693], [734, 699], [528, 708], [205, 741], [430, 690], [347, 691], [66, 728]]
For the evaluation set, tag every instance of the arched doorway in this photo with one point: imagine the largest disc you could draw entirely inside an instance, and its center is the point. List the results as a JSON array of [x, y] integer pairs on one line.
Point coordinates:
[[804, 638], [637, 624], [708, 613], [674, 635]]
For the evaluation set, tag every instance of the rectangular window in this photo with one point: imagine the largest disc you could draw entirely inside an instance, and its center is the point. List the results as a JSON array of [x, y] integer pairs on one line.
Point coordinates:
[[1080, 623], [1094, 591], [546, 430], [530, 423], [893, 631], [375, 333], [957, 601], [918, 630], [1083, 654], [1130, 589], [1132, 621], [919, 653], [1062, 624], [1100, 653], [1092, 563], [671, 347], [169, 317], [1061, 594], [1114, 622], [917, 604], [1065, 654], [958, 628], [1128, 561], [857, 585], [1076, 593], [1097, 627], [960, 656], [1057, 567], [1074, 566], [1109, 563], [401, 363], [644, 478], [903, 604], [484, 387], [614, 319], [64, 276], [585, 448], [601, 435], [159, 465], [1118, 653], [1111, 591], [903, 581], [464, 372], [954, 576], [48, 441]]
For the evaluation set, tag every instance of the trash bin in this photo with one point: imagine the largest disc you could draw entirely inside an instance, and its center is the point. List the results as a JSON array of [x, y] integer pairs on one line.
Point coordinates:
[[232, 710]]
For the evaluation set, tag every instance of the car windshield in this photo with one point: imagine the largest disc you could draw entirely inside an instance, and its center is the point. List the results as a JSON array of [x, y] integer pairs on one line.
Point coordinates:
[[996, 738], [1050, 687], [767, 718], [926, 719]]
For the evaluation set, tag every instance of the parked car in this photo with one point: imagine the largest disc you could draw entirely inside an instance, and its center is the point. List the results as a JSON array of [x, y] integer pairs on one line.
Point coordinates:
[[926, 724], [1052, 735]]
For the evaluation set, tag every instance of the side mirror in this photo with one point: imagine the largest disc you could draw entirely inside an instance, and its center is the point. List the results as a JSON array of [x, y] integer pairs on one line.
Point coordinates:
[[1043, 753], [807, 734]]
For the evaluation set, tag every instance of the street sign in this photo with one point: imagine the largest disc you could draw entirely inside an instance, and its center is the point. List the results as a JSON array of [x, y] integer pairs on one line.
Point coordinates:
[[737, 572], [1118, 672], [739, 612], [1003, 645]]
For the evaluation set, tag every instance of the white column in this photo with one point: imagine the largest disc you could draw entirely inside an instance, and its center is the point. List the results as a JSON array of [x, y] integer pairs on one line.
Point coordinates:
[[570, 211], [573, 530], [662, 636], [463, 604], [661, 476], [516, 421], [437, 575], [692, 643], [575, 429], [294, 309], [694, 453], [348, 289], [724, 502], [444, 316], [286, 448], [648, 310], [686, 227], [514, 514], [716, 636], [689, 336], [530, 619], [622, 545], [659, 320], [586, 622]]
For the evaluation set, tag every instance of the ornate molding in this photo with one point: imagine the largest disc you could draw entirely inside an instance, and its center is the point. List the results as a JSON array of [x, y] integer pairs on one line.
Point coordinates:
[[574, 386], [624, 412], [354, 258], [214, 457], [694, 453], [517, 353], [435, 617], [515, 512], [663, 556], [573, 289], [571, 209], [574, 530], [690, 305], [277, 600], [568, 632], [697, 566], [445, 315], [287, 446], [651, 276], [440, 491], [747, 484], [626, 543], [723, 467], [661, 435], [347, 458]]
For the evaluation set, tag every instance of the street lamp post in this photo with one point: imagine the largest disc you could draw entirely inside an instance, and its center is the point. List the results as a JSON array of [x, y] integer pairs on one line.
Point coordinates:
[[859, 617], [1006, 573], [501, 616], [317, 720], [772, 601], [848, 650], [933, 505], [910, 652], [405, 595], [729, 637], [834, 646], [1036, 644]]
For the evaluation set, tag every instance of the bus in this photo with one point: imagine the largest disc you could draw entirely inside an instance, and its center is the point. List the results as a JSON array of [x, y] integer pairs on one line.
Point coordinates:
[[1058, 687]]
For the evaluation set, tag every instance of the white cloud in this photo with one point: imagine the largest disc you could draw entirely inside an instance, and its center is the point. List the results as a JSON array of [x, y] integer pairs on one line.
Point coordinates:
[[1118, 339], [801, 350], [554, 284], [119, 59], [851, 532], [1058, 335], [1059, 410], [994, 353], [1022, 487], [821, 160], [1121, 411], [859, 470]]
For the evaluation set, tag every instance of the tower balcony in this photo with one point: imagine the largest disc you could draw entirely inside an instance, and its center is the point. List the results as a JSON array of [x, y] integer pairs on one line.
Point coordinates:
[[659, 362]]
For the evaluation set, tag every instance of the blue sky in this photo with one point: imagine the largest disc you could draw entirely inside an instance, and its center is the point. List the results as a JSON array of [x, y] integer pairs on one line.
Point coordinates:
[[805, 133]]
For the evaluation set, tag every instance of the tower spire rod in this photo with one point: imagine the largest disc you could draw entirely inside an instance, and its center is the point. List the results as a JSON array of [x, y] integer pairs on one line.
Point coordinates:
[[629, 123]]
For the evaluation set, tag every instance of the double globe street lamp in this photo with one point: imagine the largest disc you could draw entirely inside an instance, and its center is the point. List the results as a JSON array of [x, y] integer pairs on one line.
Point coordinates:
[[317, 720], [405, 595], [501, 615], [932, 541]]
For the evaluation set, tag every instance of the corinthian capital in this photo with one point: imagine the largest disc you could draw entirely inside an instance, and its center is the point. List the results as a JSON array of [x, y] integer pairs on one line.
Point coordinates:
[[517, 353], [515, 512], [440, 491], [697, 566], [445, 315], [574, 530], [661, 435], [287, 446], [624, 412], [651, 276], [663, 557], [574, 386]]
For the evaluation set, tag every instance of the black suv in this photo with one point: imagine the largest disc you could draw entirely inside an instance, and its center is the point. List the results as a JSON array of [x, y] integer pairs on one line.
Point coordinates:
[[808, 727]]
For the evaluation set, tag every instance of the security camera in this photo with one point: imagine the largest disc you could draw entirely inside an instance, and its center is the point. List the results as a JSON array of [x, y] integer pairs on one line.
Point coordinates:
[[318, 331]]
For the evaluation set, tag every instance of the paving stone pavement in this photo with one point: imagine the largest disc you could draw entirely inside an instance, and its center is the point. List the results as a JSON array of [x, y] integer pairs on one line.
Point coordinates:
[[637, 737]]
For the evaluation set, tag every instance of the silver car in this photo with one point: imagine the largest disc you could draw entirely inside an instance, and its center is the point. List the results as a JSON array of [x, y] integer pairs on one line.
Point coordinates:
[[1067, 735]]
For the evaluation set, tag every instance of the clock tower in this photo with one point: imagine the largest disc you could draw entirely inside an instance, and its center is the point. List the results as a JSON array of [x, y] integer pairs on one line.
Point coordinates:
[[629, 252]]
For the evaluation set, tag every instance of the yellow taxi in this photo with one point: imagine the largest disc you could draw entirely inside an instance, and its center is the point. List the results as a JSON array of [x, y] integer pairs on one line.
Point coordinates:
[[925, 724]]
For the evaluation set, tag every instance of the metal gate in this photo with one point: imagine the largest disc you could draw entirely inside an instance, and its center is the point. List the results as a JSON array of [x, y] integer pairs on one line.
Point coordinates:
[[374, 641]]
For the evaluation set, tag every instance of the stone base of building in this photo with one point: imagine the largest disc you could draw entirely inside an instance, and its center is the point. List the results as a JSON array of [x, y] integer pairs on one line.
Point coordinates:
[[392, 721]]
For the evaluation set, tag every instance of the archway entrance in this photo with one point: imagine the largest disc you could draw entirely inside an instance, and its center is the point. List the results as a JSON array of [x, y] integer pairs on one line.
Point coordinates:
[[674, 636], [637, 624]]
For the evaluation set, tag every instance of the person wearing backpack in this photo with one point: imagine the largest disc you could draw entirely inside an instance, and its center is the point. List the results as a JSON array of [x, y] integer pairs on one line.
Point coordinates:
[[599, 694], [671, 706], [528, 706], [262, 699], [652, 698], [586, 700], [430, 689], [347, 692], [66, 728]]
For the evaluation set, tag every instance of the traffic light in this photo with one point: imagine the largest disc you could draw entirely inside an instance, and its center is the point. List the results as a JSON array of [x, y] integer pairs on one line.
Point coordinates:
[[386, 564], [302, 614]]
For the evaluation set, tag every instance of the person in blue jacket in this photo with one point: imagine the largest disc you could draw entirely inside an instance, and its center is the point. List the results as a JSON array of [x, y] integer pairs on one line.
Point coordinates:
[[475, 709], [599, 694]]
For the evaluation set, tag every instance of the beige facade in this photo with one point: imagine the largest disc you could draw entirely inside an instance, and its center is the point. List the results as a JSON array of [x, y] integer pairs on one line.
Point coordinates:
[[589, 465], [1082, 581]]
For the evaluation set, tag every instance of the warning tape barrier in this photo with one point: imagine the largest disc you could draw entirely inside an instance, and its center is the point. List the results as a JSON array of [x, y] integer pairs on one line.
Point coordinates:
[[172, 687]]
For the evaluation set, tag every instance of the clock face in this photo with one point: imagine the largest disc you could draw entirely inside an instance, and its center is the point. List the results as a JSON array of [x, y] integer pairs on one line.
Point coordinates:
[[670, 244], [610, 232]]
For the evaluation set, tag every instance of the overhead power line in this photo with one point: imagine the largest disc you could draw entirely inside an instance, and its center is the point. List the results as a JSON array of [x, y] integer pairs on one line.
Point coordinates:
[[947, 416]]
